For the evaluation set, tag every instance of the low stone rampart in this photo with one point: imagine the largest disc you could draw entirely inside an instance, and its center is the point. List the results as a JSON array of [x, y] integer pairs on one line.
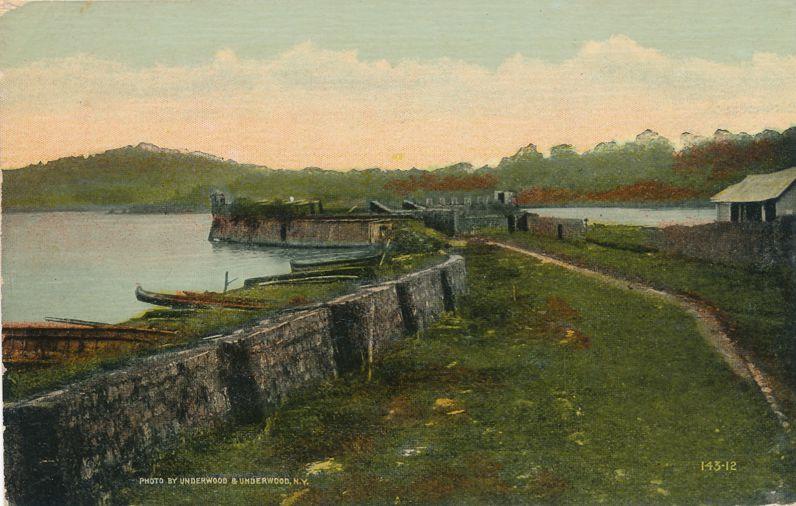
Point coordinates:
[[561, 228], [754, 245], [316, 232], [463, 221], [759, 245], [73, 446]]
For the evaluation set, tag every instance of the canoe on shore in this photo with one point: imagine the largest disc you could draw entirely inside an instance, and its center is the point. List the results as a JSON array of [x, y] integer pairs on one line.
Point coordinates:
[[309, 280], [46, 342], [194, 300], [353, 270], [361, 260]]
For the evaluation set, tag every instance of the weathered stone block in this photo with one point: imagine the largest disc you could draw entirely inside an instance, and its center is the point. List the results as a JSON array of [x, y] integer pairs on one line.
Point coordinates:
[[561, 228], [422, 298], [454, 281], [263, 366], [364, 324]]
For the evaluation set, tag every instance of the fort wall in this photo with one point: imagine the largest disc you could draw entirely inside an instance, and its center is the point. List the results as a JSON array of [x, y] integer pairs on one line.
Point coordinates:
[[75, 445], [328, 231], [463, 221], [759, 245], [561, 228]]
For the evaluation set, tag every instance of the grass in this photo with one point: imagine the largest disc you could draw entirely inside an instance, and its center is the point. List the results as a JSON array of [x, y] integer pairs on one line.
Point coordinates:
[[756, 306], [546, 387], [627, 237]]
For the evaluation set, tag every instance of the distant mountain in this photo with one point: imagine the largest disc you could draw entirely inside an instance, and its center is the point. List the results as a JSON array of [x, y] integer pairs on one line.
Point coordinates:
[[162, 178], [648, 167], [457, 168], [146, 146], [140, 175]]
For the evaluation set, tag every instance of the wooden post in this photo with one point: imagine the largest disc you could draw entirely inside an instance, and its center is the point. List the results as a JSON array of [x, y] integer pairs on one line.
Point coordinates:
[[384, 253], [370, 339], [228, 281]]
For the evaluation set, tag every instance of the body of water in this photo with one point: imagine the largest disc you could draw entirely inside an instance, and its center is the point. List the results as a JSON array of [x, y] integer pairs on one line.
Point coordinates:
[[86, 265], [649, 217]]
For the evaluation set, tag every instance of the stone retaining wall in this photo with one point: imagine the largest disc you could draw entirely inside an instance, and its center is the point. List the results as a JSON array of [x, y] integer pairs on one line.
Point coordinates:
[[326, 231], [69, 443], [751, 244], [562, 228], [462, 221], [442, 220], [74, 445], [364, 324], [421, 298], [472, 223], [756, 245]]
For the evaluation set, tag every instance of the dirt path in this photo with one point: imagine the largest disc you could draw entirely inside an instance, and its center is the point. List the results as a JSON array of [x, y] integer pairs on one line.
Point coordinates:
[[708, 323]]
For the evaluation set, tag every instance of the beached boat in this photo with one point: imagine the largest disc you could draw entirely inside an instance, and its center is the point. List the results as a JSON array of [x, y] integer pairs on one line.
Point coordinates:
[[360, 260], [194, 300], [45, 342], [353, 270], [311, 280]]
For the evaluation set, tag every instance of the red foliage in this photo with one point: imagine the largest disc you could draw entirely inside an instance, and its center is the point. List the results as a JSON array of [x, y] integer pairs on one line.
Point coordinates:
[[724, 158], [642, 191], [432, 182]]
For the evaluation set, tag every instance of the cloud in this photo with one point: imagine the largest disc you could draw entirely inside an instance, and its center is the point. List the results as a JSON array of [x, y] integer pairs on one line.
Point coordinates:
[[9, 5], [313, 106]]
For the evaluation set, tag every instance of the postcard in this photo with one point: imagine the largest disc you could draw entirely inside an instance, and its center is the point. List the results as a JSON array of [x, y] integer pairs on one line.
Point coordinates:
[[344, 252]]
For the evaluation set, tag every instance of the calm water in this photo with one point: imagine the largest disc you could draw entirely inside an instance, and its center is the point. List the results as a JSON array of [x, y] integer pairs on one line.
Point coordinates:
[[633, 216], [86, 265]]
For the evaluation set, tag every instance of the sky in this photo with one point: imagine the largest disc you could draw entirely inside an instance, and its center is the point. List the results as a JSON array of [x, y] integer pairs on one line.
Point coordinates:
[[356, 84]]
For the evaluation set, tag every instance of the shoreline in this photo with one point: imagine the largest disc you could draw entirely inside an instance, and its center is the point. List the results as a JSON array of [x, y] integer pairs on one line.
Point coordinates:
[[115, 210]]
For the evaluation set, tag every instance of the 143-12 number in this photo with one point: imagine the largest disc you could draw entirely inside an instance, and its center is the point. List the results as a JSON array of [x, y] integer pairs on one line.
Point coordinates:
[[719, 465]]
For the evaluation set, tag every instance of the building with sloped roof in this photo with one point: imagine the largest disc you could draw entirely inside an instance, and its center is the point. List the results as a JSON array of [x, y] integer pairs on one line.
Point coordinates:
[[761, 197]]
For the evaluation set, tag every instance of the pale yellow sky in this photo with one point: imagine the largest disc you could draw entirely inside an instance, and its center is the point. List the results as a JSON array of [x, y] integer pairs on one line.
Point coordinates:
[[310, 106]]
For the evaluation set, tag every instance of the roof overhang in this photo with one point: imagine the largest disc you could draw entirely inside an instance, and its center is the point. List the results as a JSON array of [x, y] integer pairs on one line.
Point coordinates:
[[758, 188]]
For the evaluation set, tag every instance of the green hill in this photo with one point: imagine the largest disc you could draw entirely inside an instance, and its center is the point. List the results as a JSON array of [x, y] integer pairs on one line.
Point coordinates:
[[646, 170], [137, 177]]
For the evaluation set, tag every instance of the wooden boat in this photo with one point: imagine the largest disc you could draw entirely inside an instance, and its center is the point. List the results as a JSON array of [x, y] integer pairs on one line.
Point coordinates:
[[305, 265], [46, 342], [194, 300], [353, 270], [309, 280]]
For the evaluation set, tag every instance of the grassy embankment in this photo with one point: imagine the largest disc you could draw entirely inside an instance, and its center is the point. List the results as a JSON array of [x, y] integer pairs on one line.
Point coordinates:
[[545, 387], [757, 307], [413, 247]]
